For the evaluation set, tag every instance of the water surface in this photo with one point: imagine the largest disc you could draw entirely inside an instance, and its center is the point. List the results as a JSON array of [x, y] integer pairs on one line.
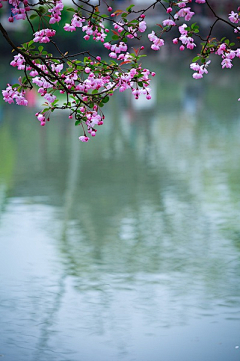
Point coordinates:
[[128, 247]]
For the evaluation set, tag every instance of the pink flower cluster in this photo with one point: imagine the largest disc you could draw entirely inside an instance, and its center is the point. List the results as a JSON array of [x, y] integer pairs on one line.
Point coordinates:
[[186, 40], [44, 35], [128, 81], [42, 118], [10, 94], [98, 33], [56, 12], [184, 12], [227, 55], [76, 22], [157, 42], [89, 82], [92, 119], [200, 70], [44, 87], [18, 62], [116, 49], [19, 9]]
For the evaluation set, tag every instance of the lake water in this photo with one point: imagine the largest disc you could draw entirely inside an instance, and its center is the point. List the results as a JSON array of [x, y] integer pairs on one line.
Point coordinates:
[[127, 247]]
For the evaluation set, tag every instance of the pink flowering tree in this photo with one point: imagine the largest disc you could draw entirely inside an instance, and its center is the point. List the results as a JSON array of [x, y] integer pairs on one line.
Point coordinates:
[[85, 79]]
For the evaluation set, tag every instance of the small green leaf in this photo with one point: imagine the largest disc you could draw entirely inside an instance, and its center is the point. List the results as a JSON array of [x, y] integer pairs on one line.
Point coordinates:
[[105, 100], [33, 16], [129, 8], [55, 102], [133, 21], [195, 59], [42, 10]]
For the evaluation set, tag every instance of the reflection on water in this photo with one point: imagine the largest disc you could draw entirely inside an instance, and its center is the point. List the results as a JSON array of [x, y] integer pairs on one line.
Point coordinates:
[[126, 248]]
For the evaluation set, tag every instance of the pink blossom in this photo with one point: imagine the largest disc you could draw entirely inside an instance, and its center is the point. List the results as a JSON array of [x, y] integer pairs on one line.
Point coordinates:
[[142, 26], [181, 4], [77, 21], [49, 97], [182, 29], [231, 54], [195, 66], [221, 49], [136, 93], [57, 67], [197, 75], [233, 17], [69, 27], [118, 27], [237, 53], [113, 55], [107, 45], [185, 13], [155, 47], [122, 46], [83, 138], [169, 22], [226, 63], [133, 72]]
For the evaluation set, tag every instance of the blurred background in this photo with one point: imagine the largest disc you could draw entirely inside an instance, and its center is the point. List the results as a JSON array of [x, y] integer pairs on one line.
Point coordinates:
[[127, 247]]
